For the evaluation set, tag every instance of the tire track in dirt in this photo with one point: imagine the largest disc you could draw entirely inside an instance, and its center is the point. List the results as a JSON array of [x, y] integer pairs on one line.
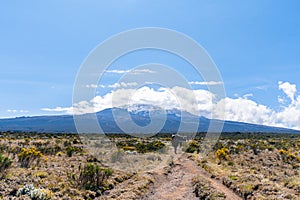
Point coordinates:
[[177, 183]]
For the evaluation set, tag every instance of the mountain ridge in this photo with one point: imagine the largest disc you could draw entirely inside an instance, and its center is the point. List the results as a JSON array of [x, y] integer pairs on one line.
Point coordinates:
[[107, 120]]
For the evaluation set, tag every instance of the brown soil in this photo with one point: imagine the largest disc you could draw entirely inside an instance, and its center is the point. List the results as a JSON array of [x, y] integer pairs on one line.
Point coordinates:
[[176, 182]]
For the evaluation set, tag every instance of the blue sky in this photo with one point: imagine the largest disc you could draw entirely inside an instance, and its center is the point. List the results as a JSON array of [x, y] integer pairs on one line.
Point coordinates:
[[255, 44]]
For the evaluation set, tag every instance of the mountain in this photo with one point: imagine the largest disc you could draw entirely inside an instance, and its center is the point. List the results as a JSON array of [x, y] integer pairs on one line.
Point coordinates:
[[112, 119]]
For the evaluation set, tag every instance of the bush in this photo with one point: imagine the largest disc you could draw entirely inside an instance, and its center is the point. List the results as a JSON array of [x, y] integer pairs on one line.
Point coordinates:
[[128, 148], [72, 149], [223, 153], [150, 147], [41, 174], [288, 156], [142, 146], [5, 162], [192, 147], [29, 156], [92, 177], [34, 193]]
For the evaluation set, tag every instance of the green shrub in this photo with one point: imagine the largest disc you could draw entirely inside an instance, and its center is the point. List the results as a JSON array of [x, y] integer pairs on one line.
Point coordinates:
[[70, 150], [150, 147], [192, 147], [73, 149], [142, 146], [5, 163], [67, 143], [29, 156], [92, 177], [156, 146], [231, 163]]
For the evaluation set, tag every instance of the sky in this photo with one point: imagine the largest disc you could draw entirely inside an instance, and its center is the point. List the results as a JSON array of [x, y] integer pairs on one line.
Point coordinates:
[[254, 44]]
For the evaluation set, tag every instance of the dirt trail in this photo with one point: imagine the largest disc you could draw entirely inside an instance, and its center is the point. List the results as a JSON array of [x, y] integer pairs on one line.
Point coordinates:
[[177, 184]]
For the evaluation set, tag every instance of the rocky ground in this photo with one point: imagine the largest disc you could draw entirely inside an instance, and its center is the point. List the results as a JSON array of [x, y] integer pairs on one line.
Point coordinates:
[[43, 166], [183, 179]]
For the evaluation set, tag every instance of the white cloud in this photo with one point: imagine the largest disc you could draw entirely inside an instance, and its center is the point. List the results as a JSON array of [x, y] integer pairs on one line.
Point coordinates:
[[177, 97], [23, 111], [244, 110], [247, 95], [91, 86], [288, 89], [16, 111], [11, 111], [236, 95], [280, 100], [236, 109], [205, 83], [262, 87], [289, 116], [58, 109], [140, 71], [131, 71], [116, 71], [123, 85], [115, 85]]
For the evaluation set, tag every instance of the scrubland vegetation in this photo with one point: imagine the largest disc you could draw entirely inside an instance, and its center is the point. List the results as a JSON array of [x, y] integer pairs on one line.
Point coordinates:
[[58, 166], [256, 166]]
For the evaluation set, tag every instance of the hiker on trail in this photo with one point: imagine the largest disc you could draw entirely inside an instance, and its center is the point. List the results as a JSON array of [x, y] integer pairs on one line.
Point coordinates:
[[176, 141]]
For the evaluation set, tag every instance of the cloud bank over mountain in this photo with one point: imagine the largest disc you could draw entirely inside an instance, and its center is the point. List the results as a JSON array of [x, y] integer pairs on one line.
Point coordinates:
[[239, 109]]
